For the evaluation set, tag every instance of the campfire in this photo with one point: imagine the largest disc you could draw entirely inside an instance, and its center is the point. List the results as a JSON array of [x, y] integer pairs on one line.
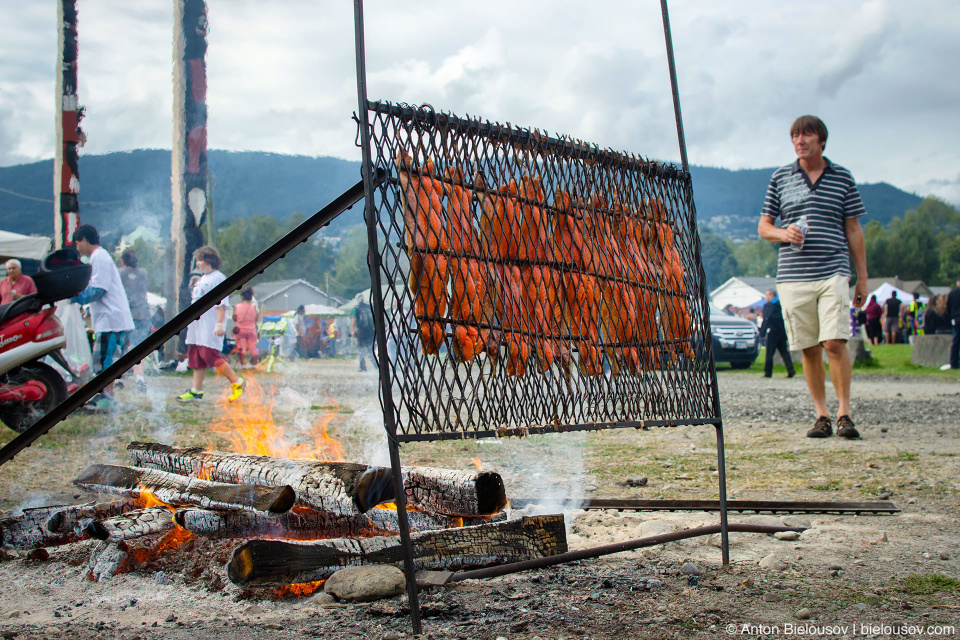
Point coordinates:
[[297, 514]]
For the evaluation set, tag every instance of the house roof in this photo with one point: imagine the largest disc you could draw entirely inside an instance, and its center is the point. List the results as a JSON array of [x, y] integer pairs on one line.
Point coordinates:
[[910, 286]]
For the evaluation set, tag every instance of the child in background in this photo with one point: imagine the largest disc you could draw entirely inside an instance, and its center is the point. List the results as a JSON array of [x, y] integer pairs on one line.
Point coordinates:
[[205, 334]]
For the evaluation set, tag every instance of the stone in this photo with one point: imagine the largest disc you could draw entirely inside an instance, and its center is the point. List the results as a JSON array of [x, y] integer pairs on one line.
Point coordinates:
[[366, 584], [763, 520], [652, 528], [786, 535], [689, 569], [636, 482], [322, 598], [944, 555], [770, 596], [931, 351], [835, 567], [870, 596], [772, 562], [803, 614], [795, 521]]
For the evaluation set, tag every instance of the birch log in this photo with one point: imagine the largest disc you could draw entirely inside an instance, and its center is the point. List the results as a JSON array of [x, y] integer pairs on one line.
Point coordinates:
[[271, 563], [340, 488], [32, 529], [135, 524], [307, 524], [174, 489]]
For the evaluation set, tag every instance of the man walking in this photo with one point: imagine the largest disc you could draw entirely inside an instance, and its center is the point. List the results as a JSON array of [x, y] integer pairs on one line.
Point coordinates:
[[891, 318], [953, 313], [109, 307], [776, 334], [819, 206]]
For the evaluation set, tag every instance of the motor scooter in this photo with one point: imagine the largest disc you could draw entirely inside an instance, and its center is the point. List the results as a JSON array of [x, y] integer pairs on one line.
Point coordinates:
[[30, 331]]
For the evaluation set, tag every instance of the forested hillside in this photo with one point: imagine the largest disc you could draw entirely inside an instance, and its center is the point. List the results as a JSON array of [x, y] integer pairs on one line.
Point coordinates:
[[120, 191]]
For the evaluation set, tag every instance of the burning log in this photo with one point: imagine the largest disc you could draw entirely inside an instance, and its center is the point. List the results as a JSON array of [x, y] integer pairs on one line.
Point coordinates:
[[271, 563], [106, 560], [174, 489], [307, 524], [52, 526], [339, 488], [135, 524]]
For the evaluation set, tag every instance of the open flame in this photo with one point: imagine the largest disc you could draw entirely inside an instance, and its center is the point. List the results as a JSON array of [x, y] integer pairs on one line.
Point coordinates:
[[477, 463], [148, 500], [251, 429]]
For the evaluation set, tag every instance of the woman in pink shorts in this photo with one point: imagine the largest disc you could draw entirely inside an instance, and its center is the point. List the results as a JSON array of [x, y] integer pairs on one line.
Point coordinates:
[[246, 316]]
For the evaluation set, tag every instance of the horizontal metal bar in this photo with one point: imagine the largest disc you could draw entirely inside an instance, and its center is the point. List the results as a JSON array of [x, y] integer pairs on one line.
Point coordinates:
[[520, 432], [176, 324], [773, 506], [605, 550]]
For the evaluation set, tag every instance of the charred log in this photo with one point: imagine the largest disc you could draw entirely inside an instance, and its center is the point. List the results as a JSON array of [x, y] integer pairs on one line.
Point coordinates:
[[174, 489], [106, 560], [270, 563], [135, 524], [52, 526], [307, 524], [340, 488]]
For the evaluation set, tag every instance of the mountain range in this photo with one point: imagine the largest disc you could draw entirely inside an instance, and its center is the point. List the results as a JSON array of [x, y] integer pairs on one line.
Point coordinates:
[[124, 190]]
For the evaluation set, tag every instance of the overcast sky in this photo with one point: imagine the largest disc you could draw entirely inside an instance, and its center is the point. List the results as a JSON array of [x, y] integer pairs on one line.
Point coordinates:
[[282, 76]]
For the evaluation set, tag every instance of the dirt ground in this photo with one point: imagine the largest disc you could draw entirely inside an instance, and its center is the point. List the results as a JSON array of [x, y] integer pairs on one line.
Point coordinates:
[[846, 575]]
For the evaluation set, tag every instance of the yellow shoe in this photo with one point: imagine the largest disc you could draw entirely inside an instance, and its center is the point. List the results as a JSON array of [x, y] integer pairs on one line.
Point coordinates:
[[236, 389]]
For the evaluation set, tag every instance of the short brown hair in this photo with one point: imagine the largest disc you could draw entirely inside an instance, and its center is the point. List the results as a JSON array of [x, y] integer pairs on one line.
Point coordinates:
[[209, 255], [810, 124]]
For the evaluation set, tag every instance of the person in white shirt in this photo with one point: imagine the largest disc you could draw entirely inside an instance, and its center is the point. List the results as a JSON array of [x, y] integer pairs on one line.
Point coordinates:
[[109, 307], [205, 334]]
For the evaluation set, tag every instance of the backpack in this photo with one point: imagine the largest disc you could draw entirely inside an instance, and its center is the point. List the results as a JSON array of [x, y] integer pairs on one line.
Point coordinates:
[[364, 317]]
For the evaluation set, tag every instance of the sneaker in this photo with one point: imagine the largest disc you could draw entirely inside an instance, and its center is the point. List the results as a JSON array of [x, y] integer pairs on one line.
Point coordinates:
[[945, 367], [141, 384], [845, 428], [191, 396], [821, 428], [791, 374], [101, 403], [236, 389]]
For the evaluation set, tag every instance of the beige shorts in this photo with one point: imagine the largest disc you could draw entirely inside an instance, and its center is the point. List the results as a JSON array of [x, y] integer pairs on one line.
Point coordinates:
[[816, 311]]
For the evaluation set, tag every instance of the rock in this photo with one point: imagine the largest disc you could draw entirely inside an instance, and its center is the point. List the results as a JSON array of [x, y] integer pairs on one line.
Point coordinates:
[[795, 521], [253, 610], [834, 573], [689, 569], [170, 618], [931, 351], [787, 535], [769, 596], [322, 597], [835, 567], [366, 584], [870, 596], [652, 528], [803, 614], [636, 482], [772, 562], [944, 555], [161, 578], [52, 631]]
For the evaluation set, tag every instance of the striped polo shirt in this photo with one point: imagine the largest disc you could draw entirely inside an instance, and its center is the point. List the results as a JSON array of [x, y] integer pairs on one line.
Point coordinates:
[[827, 204]]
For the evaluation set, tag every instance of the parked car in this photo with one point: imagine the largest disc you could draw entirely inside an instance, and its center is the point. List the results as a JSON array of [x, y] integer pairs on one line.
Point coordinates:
[[735, 340]]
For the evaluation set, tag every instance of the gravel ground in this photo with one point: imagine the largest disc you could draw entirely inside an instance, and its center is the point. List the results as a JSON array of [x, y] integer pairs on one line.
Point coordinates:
[[845, 575]]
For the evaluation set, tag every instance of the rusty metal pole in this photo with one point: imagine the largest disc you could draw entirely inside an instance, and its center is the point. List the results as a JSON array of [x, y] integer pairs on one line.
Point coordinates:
[[379, 318], [721, 458]]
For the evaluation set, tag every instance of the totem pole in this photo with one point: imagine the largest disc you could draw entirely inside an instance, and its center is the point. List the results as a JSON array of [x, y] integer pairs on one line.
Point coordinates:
[[189, 139], [66, 173]]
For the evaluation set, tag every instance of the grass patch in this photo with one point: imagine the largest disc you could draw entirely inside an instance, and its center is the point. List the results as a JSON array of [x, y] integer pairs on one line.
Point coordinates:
[[924, 585], [888, 359], [830, 486]]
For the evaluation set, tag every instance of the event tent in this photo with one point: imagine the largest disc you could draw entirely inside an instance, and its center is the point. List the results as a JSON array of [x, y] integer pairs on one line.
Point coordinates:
[[884, 290], [14, 245]]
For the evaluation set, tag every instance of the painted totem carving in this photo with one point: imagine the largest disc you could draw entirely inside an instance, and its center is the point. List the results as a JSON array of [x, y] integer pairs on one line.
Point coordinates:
[[189, 162], [66, 171]]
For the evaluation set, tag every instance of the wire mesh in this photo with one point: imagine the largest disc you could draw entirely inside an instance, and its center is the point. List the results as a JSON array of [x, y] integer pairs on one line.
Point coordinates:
[[534, 283]]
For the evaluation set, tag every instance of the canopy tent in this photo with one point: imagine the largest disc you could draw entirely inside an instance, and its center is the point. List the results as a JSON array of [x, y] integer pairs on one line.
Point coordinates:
[[318, 310], [884, 290], [14, 245]]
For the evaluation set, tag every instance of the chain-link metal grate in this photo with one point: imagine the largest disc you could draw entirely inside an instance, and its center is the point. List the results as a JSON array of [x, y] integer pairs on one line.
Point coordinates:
[[534, 284]]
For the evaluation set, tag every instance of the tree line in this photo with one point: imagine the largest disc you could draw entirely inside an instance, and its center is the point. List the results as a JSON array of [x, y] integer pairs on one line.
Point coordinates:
[[923, 245]]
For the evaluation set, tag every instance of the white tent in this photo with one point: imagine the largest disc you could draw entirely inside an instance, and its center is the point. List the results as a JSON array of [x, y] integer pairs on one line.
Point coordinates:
[[883, 292], [14, 245]]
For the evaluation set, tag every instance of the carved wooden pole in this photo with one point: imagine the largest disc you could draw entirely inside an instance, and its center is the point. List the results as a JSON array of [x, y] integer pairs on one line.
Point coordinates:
[[189, 162], [66, 174]]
